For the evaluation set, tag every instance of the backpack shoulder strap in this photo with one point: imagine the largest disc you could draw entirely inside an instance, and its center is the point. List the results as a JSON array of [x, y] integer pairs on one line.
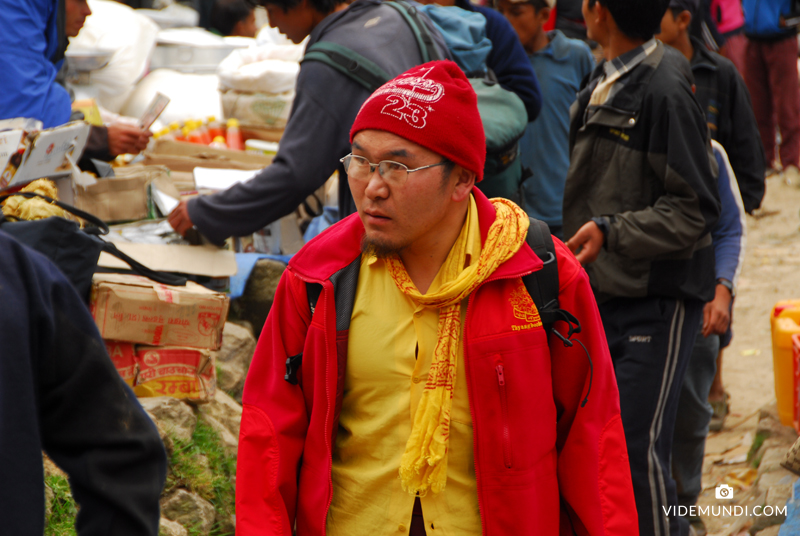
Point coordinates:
[[543, 285], [421, 32], [348, 62]]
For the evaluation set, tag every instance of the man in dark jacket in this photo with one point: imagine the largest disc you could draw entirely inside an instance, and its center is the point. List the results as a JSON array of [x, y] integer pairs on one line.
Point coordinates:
[[59, 392], [722, 94], [326, 104], [640, 201]]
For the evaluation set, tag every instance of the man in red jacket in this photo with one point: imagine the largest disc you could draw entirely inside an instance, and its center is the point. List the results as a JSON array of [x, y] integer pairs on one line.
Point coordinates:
[[403, 382]]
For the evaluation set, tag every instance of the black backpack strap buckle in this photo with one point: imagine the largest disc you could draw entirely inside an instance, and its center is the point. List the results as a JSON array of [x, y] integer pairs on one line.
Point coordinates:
[[293, 364]]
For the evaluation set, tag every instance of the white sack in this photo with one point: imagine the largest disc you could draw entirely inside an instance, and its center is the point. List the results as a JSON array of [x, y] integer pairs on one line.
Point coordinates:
[[115, 26]]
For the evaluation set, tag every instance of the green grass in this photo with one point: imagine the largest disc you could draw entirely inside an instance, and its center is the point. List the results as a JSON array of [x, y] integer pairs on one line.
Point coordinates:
[[757, 442], [61, 521], [214, 485]]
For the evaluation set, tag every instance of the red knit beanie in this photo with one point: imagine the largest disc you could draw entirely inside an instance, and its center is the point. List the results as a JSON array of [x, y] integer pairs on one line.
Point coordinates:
[[434, 106]]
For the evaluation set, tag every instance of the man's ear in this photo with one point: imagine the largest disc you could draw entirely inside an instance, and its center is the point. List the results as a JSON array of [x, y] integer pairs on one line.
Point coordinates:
[[543, 14], [464, 184], [684, 20]]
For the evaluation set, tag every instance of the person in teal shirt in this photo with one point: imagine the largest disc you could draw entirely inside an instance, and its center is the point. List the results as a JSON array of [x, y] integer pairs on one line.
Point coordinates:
[[560, 64]]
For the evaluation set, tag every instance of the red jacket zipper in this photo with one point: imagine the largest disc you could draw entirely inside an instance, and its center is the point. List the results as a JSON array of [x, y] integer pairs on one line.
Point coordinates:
[[501, 384], [470, 389]]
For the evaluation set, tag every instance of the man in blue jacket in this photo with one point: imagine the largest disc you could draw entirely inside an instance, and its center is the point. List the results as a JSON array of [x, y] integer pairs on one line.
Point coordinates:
[[60, 393], [30, 43]]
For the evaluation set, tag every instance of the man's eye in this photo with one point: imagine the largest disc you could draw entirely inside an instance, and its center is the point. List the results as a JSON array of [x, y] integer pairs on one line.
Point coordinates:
[[394, 166]]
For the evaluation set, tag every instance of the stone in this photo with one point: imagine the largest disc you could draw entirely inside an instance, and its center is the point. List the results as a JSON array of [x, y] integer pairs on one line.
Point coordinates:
[[177, 417], [775, 477], [233, 359], [774, 508], [771, 461], [770, 427], [224, 409], [229, 441], [171, 528], [259, 293], [166, 438], [190, 510]]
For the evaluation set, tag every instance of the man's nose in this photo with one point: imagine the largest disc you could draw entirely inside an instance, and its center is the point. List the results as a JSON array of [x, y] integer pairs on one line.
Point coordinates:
[[376, 186]]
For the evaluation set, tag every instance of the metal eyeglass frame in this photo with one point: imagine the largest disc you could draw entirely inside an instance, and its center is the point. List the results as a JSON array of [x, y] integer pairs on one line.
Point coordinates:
[[372, 166]]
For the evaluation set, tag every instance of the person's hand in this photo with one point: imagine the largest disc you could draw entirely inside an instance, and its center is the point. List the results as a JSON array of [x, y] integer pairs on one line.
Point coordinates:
[[127, 139], [717, 313], [589, 239], [179, 219]]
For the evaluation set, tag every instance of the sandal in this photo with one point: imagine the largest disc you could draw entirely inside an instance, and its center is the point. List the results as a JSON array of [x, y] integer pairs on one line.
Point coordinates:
[[721, 410]]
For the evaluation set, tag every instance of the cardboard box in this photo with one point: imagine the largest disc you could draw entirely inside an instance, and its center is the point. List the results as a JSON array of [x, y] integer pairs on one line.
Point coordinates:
[[123, 197], [26, 157], [208, 261], [123, 355], [135, 309], [184, 156], [186, 373], [114, 199]]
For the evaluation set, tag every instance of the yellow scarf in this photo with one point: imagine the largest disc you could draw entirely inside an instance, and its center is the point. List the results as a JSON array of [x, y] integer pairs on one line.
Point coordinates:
[[424, 462]]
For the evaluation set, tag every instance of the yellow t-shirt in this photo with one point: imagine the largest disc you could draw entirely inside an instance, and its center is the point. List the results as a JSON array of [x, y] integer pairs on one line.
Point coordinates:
[[389, 353]]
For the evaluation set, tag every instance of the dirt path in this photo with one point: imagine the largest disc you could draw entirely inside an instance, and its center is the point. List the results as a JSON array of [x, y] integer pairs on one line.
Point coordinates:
[[771, 272]]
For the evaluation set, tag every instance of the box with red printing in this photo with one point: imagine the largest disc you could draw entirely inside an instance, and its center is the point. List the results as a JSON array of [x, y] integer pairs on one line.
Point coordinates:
[[187, 373], [136, 309], [123, 355]]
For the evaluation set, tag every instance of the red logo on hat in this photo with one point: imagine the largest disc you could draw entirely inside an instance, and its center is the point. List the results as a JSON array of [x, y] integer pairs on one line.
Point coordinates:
[[409, 99]]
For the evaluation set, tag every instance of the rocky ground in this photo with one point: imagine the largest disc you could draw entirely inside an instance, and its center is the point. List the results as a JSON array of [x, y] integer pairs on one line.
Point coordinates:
[[770, 274]]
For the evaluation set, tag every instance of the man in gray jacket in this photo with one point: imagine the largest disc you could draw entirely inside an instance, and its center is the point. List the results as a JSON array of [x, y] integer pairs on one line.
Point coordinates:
[[639, 203], [326, 103]]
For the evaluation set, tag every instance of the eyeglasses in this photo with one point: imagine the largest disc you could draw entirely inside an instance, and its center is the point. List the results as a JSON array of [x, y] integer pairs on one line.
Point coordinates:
[[360, 169]]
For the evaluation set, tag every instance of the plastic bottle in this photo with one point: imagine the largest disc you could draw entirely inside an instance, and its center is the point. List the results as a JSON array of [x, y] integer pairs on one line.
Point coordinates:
[[215, 128], [180, 134], [218, 143], [234, 136], [204, 135], [194, 135], [785, 322]]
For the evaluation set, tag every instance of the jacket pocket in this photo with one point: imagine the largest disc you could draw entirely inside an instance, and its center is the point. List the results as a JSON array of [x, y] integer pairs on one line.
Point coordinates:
[[505, 421]]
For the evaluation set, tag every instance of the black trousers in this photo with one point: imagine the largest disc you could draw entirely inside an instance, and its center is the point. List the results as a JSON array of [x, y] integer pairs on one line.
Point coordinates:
[[651, 341]]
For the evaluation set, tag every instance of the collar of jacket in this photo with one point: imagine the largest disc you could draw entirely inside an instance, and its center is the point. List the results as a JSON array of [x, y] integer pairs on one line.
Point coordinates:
[[702, 58], [623, 110], [558, 48], [340, 244]]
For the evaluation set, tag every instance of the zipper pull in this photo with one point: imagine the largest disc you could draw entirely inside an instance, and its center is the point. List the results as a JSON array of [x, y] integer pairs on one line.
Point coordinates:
[[501, 377]]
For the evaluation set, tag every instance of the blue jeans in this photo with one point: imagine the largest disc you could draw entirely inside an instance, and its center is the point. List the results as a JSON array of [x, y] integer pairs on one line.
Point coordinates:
[[694, 414]]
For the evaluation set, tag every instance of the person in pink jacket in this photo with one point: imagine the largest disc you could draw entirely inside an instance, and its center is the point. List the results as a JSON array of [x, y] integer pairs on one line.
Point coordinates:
[[404, 381]]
